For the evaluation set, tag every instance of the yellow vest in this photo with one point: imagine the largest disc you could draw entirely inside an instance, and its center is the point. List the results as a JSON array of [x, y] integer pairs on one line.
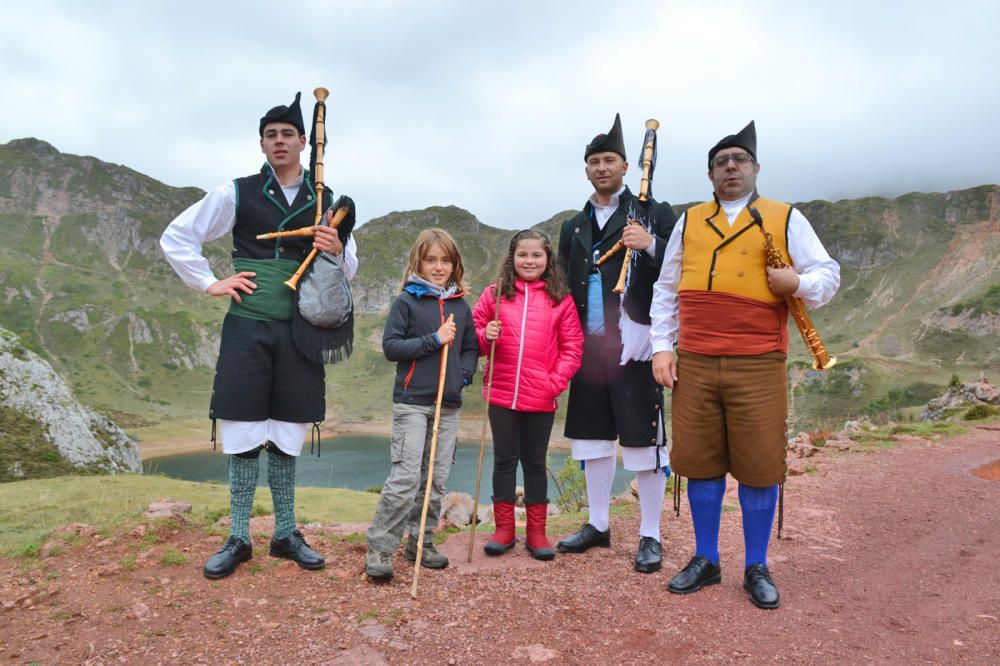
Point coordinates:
[[730, 259]]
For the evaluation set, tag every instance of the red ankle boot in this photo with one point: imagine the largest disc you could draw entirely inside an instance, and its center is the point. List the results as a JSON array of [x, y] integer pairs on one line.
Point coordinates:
[[503, 538], [538, 545]]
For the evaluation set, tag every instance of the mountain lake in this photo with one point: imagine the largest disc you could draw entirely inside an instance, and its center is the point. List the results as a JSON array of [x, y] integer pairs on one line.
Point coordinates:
[[357, 462]]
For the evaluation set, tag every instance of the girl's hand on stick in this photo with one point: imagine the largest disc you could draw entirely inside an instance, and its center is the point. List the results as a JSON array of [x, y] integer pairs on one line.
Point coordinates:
[[492, 331], [447, 331]]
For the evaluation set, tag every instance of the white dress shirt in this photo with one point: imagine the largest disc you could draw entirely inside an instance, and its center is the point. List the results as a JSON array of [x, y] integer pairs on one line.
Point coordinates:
[[212, 218]]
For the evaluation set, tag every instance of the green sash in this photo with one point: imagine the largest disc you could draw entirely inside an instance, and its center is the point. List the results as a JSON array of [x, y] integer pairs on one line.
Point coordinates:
[[271, 300]]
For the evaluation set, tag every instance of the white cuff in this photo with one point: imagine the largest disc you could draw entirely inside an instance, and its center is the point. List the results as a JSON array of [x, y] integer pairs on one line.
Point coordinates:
[[662, 345], [207, 282]]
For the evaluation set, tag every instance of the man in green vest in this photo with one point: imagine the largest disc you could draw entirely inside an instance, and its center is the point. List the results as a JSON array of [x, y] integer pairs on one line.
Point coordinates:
[[266, 392], [720, 340]]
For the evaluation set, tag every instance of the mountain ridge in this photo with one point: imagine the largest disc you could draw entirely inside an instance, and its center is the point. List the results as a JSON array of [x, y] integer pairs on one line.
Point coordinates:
[[83, 283]]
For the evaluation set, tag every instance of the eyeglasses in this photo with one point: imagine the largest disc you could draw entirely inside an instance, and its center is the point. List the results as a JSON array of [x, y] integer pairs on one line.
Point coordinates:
[[741, 159]]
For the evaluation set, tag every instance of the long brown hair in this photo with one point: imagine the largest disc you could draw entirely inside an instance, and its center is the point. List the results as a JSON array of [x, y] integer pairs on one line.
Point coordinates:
[[556, 285], [425, 239]]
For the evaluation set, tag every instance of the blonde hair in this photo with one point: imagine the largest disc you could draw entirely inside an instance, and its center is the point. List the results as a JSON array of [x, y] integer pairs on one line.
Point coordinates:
[[425, 239]]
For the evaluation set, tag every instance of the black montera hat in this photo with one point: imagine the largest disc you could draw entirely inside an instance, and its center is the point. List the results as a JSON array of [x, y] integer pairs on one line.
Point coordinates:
[[291, 114], [746, 139], [608, 143]]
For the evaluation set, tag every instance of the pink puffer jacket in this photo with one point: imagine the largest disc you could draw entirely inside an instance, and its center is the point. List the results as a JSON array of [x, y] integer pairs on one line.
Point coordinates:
[[539, 347]]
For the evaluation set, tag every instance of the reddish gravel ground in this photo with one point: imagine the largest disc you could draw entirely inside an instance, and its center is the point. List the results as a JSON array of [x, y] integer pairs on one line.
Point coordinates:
[[889, 556]]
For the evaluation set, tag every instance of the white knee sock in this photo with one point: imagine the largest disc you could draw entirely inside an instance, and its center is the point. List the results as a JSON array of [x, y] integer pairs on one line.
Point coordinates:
[[600, 473], [652, 484]]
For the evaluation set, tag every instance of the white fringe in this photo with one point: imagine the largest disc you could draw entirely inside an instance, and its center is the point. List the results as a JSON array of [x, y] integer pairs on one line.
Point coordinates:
[[636, 345]]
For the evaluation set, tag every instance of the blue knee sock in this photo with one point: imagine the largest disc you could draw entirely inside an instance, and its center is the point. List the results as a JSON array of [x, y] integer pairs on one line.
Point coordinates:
[[757, 505], [705, 499]]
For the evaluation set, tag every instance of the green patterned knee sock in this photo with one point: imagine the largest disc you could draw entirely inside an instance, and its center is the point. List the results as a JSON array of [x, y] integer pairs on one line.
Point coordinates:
[[281, 479], [242, 484]]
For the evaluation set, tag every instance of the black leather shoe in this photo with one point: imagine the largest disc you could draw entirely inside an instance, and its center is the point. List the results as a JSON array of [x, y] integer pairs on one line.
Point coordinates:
[[698, 573], [584, 539], [224, 562], [758, 584], [294, 547], [649, 557]]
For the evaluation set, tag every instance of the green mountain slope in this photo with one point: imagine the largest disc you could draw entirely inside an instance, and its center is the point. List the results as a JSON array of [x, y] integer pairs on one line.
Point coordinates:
[[83, 283]]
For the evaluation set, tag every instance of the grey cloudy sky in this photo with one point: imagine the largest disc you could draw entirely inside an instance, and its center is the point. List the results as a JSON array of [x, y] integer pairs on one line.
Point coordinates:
[[488, 105]]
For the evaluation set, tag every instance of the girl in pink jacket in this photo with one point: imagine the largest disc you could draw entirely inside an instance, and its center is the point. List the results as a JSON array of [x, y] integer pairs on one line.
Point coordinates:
[[539, 344]]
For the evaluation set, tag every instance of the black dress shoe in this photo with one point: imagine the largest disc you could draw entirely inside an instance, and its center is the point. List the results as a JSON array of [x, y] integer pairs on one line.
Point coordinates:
[[698, 573], [584, 539], [224, 562], [294, 547], [758, 584], [649, 557]]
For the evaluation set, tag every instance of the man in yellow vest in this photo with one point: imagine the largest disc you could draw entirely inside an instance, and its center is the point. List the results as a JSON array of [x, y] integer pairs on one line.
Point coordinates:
[[720, 340]]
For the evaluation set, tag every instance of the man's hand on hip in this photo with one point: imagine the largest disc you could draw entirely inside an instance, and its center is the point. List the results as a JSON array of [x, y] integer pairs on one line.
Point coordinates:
[[232, 285]]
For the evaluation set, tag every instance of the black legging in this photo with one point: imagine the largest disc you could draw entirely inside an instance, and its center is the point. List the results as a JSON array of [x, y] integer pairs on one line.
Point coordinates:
[[520, 436]]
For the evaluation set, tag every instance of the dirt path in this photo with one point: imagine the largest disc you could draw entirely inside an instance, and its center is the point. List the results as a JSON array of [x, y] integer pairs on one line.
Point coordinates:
[[889, 557]]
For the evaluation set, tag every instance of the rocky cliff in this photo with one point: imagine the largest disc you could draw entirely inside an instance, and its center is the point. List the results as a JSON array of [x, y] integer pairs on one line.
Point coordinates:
[[45, 431]]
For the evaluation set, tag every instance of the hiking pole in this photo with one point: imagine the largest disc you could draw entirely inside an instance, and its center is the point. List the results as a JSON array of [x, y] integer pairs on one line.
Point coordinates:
[[482, 436], [430, 465]]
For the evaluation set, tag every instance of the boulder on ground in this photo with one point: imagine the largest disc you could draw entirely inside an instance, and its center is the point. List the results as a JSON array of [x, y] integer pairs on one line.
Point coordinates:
[[457, 508], [166, 508]]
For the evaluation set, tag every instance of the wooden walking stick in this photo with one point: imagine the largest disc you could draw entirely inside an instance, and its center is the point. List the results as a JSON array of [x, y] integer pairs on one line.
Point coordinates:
[[430, 465], [482, 435]]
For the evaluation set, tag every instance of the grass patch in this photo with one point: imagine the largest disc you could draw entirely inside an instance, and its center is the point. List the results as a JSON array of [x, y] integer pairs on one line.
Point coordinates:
[[173, 558], [357, 537], [442, 536], [32, 509], [888, 436], [368, 615]]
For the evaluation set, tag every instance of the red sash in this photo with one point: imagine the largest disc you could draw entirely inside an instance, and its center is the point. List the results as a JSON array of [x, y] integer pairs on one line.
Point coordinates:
[[714, 323]]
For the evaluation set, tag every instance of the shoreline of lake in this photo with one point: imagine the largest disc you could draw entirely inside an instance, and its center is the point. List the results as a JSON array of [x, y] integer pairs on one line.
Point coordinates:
[[169, 445], [355, 462]]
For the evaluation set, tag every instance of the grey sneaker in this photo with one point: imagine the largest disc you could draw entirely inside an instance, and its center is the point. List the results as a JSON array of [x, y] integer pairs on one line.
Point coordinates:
[[429, 559], [378, 565]]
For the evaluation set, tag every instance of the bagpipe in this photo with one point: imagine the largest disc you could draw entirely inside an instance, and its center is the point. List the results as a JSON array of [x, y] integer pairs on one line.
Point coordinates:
[[637, 216], [323, 317]]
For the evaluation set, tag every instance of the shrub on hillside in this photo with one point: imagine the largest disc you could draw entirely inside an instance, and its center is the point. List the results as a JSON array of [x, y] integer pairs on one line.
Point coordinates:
[[980, 412]]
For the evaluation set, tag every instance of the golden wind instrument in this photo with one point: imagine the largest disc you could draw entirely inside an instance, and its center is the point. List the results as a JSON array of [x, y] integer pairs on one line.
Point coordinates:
[[647, 172], [430, 463], [319, 135], [821, 357]]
